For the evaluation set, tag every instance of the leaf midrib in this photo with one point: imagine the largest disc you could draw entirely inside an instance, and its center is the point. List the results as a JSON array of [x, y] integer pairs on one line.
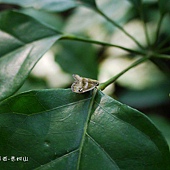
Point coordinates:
[[85, 127]]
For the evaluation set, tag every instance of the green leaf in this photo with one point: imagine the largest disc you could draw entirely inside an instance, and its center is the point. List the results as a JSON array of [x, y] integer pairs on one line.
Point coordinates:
[[49, 5], [155, 95], [58, 129], [163, 124], [78, 57], [47, 18], [23, 42], [164, 6]]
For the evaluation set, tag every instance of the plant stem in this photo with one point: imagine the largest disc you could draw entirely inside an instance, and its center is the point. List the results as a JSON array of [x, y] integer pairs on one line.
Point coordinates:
[[120, 28], [102, 86], [73, 37], [146, 33], [164, 50], [156, 55], [159, 27], [144, 24]]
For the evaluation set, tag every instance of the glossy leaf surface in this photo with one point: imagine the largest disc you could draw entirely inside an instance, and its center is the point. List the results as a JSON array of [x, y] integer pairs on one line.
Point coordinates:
[[51, 5], [23, 41], [58, 129]]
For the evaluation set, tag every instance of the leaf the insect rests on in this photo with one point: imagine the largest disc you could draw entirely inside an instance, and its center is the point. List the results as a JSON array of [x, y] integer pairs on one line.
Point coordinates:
[[59, 129]]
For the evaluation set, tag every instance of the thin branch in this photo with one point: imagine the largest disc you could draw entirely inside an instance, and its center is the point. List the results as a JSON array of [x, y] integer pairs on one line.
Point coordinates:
[[164, 50], [73, 37], [159, 27], [146, 33], [119, 27], [144, 24], [102, 86], [156, 55]]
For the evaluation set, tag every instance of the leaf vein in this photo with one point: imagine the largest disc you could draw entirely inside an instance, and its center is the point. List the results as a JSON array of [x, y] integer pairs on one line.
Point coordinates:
[[102, 149]]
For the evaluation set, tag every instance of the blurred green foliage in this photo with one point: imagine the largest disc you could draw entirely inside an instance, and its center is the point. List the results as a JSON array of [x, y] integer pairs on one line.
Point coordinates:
[[142, 26], [85, 59]]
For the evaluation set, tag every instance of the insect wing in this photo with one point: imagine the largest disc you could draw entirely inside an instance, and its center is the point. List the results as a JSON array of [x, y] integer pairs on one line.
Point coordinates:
[[82, 84]]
